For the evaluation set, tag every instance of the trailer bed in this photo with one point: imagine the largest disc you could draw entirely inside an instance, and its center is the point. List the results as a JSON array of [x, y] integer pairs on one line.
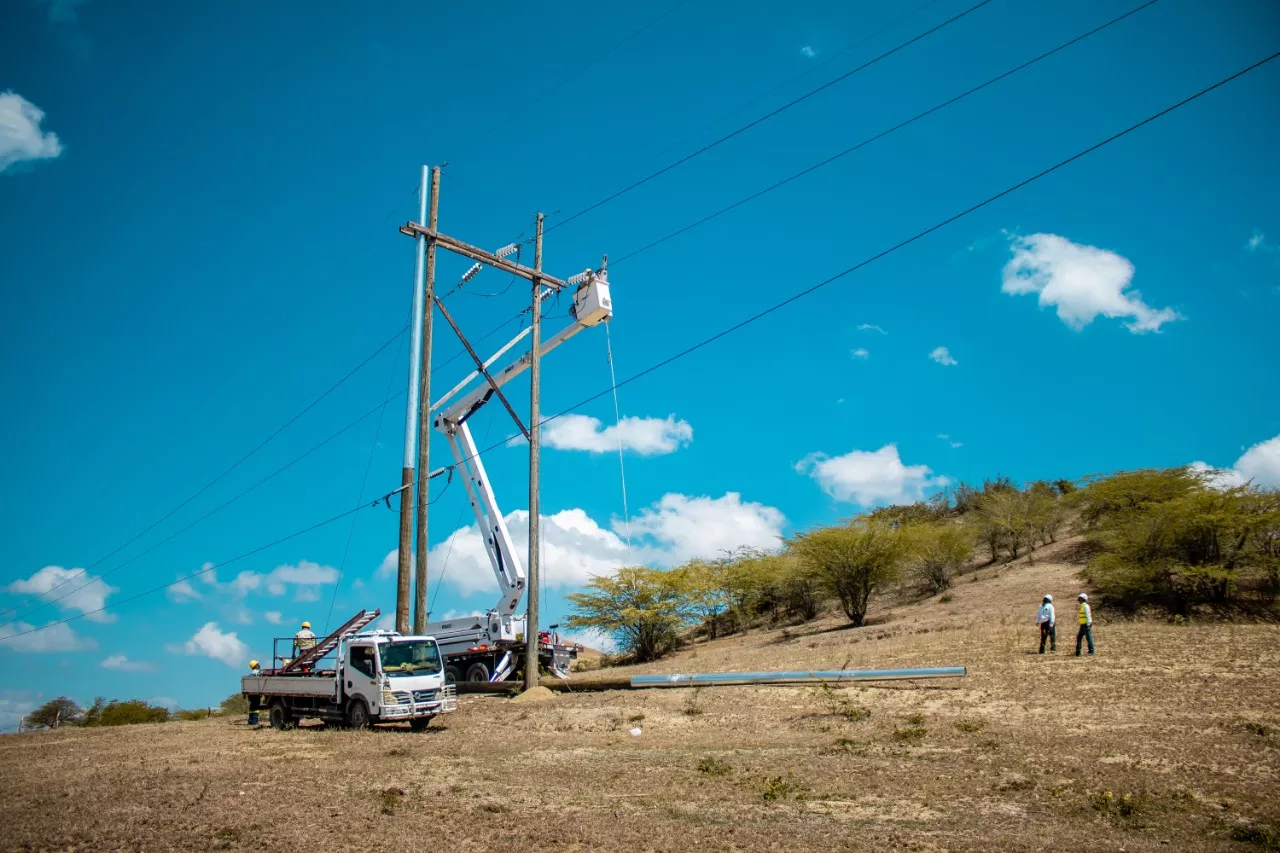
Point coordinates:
[[311, 686]]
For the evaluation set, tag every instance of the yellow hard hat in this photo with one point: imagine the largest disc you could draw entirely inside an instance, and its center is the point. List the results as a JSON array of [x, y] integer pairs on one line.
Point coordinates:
[[306, 624], [253, 664]]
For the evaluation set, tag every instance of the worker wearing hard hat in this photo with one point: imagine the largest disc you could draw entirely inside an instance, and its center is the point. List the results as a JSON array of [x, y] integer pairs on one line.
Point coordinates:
[[304, 639], [1048, 625], [255, 668], [1086, 623]]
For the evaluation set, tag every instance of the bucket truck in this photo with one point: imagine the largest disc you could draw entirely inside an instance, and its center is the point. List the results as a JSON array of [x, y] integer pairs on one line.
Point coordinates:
[[489, 647]]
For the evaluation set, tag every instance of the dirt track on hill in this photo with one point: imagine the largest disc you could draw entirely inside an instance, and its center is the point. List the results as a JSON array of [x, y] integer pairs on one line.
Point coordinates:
[[1168, 740]]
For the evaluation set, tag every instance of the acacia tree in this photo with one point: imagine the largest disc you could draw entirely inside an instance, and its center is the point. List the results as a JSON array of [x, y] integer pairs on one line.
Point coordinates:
[[937, 552], [643, 609], [852, 562], [705, 582], [56, 712]]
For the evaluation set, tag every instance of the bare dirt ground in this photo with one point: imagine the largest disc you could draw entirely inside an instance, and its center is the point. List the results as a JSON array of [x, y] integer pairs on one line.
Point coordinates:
[[1168, 740]]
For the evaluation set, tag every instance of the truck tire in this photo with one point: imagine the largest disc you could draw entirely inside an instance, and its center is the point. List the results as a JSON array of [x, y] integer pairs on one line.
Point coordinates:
[[451, 675], [477, 672], [279, 715], [419, 724], [358, 714]]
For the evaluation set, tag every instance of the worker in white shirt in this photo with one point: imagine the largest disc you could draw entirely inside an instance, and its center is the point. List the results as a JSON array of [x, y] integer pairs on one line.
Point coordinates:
[[303, 640], [1048, 623], [1086, 623]]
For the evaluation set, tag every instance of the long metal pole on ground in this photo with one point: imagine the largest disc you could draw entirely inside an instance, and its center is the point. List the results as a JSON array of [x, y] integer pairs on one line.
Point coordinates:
[[424, 417], [410, 420], [535, 442], [700, 679]]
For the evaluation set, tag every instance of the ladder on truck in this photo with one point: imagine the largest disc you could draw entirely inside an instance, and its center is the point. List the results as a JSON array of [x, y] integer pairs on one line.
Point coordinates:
[[329, 643]]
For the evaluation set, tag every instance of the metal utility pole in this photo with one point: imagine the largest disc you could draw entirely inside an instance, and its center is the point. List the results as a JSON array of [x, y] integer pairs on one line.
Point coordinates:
[[535, 442], [411, 413], [424, 416]]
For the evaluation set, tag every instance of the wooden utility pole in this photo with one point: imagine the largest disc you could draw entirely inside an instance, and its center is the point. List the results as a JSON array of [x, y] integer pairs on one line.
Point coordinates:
[[410, 459], [535, 442], [424, 417]]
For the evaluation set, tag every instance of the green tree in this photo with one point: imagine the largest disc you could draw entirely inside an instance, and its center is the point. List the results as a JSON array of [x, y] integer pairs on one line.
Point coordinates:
[[937, 552], [56, 712], [852, 562], [643, 609], [127, 712], [93, 714]]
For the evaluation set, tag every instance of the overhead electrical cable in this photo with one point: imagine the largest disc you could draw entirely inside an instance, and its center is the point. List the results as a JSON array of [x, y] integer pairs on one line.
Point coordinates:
[[203, 571], [744, 128], [881, 135]]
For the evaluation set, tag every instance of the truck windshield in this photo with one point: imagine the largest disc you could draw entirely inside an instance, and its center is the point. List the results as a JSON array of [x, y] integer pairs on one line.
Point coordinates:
[[413, 657]]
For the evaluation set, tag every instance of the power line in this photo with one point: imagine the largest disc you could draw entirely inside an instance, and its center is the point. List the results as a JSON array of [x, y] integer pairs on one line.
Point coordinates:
[[882, 134], [811, 69], [202, 571], [556, 87], [744, 128], [219, 478], [900, 245], [381, 408]]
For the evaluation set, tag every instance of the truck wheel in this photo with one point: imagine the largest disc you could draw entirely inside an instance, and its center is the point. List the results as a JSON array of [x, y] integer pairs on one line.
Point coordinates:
[[477, 672], [358, 714], [279, 716], [419, 724], [451, 675]]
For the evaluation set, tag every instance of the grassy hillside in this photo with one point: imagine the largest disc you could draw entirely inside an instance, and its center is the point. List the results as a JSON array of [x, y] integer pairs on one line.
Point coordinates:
[[1169, 739]]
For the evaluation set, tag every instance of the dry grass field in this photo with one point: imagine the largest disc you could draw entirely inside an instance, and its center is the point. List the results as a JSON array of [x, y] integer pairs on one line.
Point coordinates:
[[1168, 739]]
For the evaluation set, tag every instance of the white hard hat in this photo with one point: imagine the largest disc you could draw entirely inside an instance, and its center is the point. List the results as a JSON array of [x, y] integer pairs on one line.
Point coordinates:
[[1083, 597], [1048, 598]]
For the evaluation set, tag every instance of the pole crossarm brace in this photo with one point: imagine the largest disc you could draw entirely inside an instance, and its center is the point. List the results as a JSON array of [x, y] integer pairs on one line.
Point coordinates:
[[484, 371], [413, 229]]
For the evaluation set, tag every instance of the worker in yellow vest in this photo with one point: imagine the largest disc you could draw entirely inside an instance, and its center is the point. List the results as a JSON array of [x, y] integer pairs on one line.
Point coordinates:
[[1086, 623]]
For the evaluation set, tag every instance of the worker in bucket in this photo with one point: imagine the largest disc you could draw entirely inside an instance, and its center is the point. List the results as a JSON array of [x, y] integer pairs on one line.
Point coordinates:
[[1086, 623], [1047, 621], [303, 640]]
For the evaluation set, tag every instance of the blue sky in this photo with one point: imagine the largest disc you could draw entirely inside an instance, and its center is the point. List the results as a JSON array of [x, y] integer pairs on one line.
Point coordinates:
[[199, 207]]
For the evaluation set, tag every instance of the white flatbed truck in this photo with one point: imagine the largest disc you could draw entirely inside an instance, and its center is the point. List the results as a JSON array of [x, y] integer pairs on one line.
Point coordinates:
[[356, 678]]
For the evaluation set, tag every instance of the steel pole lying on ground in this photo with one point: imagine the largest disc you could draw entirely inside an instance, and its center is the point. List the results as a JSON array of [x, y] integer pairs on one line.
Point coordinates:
[[720, 679]]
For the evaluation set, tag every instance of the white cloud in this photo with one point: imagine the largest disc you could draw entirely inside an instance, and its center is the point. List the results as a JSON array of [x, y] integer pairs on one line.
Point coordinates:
[[20, 135], [56, 637], [871, 327], [1258, 242], [860, 352], [646, 436], [273, 617], [576, 547], [182, 592], [14, 705], [680, 527], [942, 355], [1082, 282], [70, 589], [868, 478], [947, 439], [808, 51], [1259, 465], [122, 663], [211, 641], [390, 565], [63, 11], [305, 576]]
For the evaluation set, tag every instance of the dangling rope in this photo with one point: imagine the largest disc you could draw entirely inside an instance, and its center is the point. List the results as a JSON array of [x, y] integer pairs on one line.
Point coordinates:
[[617, 417]]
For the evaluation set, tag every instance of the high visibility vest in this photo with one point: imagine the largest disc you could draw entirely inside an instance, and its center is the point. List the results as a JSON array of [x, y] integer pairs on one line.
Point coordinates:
[[1084, 614]]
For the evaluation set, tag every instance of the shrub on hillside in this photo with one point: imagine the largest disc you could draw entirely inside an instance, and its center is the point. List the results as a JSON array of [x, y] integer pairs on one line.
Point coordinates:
[[56, 712], [938, 552], [1177, 539], [853, 562], [128, 712], [643, 610]]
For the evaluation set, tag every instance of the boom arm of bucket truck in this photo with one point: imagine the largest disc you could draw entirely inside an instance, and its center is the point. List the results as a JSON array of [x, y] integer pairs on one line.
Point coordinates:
[[591, 306]]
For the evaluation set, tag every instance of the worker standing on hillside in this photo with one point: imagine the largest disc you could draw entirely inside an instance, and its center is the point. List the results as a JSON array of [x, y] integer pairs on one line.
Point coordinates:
[[1086, 624], [1048, 623]]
